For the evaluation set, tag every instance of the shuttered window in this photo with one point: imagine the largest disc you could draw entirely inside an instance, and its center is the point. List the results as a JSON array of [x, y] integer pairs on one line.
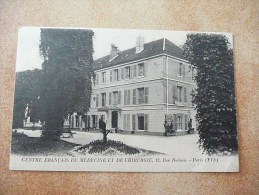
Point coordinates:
[[185, 94], [122, 73], [146, 122], [110, 98], [146, 95], [141, 69], [145, 69], [126, 121], [119, 97], [133, 122], [134, 70], [126, 97], [131, 72], [175, 98], [97, 100], [134, 100], [111, 76]]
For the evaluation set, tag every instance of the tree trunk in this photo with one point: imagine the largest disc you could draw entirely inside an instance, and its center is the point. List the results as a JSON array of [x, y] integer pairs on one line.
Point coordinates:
[[104, 137]]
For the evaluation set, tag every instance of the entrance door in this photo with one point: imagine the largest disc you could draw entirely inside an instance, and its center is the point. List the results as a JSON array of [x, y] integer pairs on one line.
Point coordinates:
[[141, 123], [114, 119]]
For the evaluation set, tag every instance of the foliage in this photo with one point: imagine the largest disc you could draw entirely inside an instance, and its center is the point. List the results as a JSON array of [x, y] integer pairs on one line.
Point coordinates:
[[215, 93], [66, 76], [27, 89], [98, 146]]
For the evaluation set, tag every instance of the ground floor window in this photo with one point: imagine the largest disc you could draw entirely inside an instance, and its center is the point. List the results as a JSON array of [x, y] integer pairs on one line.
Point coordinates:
[[140, 121], [126, 121], [179, 122]]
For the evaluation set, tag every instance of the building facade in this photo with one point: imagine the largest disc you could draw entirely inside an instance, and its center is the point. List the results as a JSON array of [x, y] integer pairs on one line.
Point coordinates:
[[134, 89]]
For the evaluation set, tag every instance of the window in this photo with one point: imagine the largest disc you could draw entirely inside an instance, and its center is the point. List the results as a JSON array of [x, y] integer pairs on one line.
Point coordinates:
[[96, 79], [116, 75], [181, 70], [141, 69], [179, 92], [126, 121], [179, 122], [142, 120], [97, 100], [185, 94], [133, 122], [142, 95], [110, 98], [103, 99], [115, 97], [134, 100], [103, 77], [126, 97], [134, 70], [127, 76], [111, 77]]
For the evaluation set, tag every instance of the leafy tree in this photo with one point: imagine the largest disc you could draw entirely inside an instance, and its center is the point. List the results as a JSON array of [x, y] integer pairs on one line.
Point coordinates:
[[215, 94], [27, 89], [66, 77]]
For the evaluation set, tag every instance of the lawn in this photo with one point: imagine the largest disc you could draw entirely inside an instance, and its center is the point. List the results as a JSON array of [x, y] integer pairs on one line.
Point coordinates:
[[33, 146]]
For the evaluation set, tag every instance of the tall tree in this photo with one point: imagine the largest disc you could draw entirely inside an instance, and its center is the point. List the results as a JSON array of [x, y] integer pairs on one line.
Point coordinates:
[[66, 77], [215, 94], [27, 91]]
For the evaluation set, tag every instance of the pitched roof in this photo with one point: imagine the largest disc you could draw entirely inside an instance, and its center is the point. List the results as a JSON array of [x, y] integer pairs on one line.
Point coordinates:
[[150, 49]]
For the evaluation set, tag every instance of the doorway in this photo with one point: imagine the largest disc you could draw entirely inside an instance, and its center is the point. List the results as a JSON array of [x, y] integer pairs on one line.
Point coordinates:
[[114, 119]]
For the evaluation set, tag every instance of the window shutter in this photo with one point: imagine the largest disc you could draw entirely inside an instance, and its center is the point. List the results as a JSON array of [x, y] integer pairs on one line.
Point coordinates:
[[146, 95], [146, 122], [124, 121], [175, 122], [122, 73], [131, 72], [128, 121], [185, 94], [125, 97], [97, 100], [144, 69], [185, 122], [134, 97], [175, 98], [183, 73], [111, 76], [119, 97], [134, 70], [133, 122], [128, 97], [110, 98], [119, 74]]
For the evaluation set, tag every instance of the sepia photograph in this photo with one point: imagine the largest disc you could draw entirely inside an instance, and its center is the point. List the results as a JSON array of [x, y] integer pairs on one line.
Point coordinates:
[[124, 100]]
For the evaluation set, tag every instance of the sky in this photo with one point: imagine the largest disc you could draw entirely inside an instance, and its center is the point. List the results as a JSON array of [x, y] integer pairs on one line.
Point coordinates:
[[28, 55]]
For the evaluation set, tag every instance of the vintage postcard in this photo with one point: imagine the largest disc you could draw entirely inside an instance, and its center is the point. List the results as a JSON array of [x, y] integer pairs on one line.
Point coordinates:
[[121, 100]]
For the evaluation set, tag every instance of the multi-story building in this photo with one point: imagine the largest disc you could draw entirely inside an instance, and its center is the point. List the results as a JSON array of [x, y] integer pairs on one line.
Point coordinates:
[[134, 89]]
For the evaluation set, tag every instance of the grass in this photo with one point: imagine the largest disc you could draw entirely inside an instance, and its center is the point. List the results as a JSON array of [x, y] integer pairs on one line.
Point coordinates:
[[24, 145]]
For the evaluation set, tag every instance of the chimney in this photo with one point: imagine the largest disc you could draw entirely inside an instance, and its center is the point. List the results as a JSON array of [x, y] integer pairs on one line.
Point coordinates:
[[114, 52], [139, 44]]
